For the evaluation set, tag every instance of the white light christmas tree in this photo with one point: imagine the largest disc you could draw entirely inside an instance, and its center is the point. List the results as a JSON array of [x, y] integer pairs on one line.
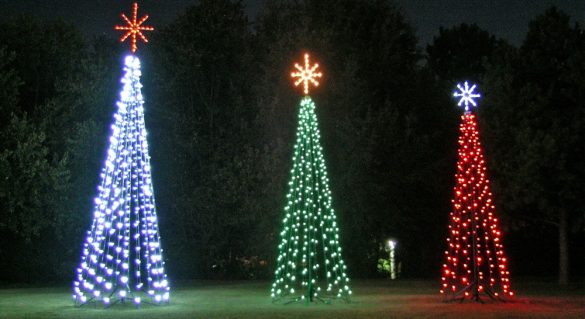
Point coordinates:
[[122, 256]]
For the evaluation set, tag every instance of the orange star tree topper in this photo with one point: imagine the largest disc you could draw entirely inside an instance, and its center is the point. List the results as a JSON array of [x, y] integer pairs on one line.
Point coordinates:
[[134, 28], [306, 74]]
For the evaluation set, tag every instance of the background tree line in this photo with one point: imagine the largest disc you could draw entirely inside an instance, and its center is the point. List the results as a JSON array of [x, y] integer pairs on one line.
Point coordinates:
[[221, 116]]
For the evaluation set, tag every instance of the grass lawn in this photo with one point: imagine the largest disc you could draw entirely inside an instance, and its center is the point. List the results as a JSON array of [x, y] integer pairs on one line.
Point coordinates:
[[371, 299]]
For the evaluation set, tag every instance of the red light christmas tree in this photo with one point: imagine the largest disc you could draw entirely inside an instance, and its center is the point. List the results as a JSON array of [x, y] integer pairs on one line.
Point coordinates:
[[475, 263]]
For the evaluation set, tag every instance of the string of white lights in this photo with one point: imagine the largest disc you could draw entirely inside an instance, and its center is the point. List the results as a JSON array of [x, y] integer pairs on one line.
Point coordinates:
[[122, 256]]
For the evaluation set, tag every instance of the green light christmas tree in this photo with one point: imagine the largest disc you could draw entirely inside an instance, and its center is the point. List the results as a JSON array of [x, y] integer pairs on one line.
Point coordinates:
[[309, 265]]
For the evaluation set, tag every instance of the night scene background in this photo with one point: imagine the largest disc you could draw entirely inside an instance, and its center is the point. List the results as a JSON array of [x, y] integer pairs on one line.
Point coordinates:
[[221, 113]]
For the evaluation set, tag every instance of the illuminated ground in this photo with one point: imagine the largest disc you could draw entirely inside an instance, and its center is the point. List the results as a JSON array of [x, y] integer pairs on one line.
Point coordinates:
[[372, 299]]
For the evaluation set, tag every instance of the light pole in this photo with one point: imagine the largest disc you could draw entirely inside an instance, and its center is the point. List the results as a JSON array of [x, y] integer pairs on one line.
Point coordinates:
[[392, 258]]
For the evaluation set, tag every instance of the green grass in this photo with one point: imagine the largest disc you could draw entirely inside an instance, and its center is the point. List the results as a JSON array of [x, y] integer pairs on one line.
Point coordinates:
[[372, 299]]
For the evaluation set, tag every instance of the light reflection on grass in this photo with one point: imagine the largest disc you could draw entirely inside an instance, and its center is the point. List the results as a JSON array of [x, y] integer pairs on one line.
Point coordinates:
[[371, 299]]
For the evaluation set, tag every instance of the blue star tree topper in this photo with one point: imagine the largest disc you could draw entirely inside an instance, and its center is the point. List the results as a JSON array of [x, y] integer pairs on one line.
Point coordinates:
[[466, 95]]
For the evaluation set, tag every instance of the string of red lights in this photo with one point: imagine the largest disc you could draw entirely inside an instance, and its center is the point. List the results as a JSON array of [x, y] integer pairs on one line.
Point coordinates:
[[475, 261]]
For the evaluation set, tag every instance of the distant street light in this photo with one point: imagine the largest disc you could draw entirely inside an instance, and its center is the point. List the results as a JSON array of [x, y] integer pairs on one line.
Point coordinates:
[[392, 258]]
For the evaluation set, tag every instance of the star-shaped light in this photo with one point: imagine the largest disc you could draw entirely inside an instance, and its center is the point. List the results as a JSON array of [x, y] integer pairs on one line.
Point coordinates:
[[134, 28], [467, 95], [306, 74]]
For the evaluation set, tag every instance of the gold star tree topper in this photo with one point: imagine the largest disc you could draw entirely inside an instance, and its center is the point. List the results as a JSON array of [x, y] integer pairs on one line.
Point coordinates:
[[306, 74], [134, 28]]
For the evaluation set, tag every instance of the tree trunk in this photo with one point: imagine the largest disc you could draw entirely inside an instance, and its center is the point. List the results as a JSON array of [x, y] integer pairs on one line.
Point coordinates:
[[563, 249]]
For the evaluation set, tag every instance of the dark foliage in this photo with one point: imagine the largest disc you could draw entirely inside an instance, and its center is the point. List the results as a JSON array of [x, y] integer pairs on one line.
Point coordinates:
[[221, 116]]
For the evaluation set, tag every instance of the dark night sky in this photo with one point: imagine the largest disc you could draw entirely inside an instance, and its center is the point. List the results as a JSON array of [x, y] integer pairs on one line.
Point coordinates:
[[504, 18]]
